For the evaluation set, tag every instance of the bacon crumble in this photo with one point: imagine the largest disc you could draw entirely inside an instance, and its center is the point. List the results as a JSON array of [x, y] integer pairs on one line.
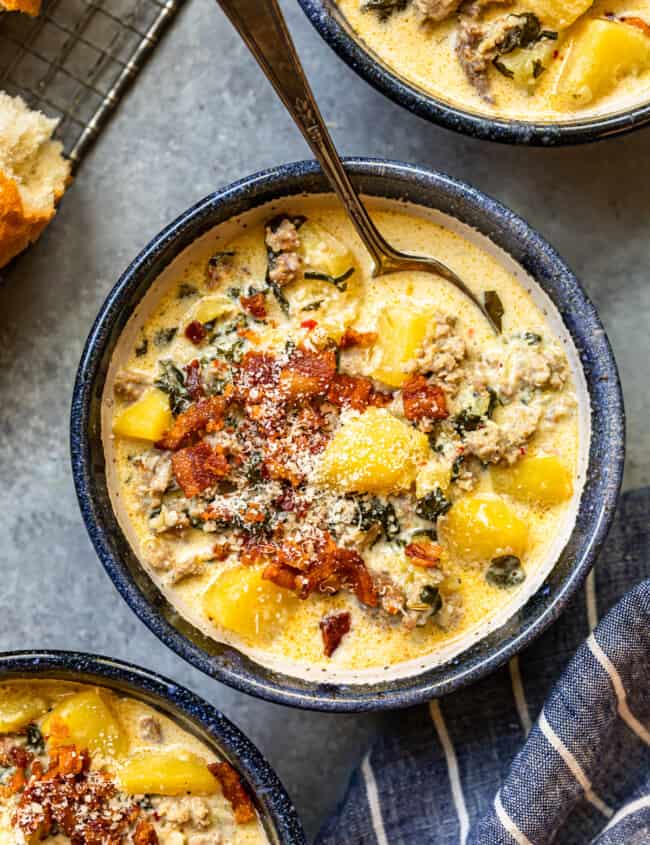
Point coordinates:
[[199, 467], [333, 629], [205, 416], [422, 400], [234, 791]]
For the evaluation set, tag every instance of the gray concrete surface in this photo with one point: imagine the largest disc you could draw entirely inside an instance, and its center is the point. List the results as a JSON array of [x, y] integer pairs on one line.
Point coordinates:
[[200, 116]]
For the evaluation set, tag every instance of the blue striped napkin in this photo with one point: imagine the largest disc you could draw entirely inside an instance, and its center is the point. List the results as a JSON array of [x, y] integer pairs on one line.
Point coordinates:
[[473, 768]]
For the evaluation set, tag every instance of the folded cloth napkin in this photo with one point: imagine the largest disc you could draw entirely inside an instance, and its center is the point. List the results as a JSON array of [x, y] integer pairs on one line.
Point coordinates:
[[471, 768]]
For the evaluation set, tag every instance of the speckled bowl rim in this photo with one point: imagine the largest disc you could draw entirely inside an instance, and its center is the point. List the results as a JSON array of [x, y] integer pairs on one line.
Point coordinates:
[[339, 35], [273, 803], [534, 254]]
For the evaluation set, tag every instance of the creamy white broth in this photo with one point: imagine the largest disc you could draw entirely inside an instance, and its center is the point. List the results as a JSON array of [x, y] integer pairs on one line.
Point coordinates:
[[45, 719], [372, 646], [425, 55]]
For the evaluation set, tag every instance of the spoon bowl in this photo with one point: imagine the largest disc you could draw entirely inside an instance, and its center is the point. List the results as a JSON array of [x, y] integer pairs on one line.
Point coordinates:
[[262, 26]]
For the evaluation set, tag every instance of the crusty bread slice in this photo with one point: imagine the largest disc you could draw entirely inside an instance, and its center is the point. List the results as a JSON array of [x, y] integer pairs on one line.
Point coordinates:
[[33, 175], [31, 7]]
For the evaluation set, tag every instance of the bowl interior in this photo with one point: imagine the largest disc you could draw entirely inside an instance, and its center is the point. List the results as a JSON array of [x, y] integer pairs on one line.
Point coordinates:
[[333, 26], [197, 717], [576, 320]]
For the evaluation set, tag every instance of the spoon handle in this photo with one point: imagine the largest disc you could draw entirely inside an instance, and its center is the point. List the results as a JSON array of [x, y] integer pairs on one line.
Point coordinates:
[[262, 26]]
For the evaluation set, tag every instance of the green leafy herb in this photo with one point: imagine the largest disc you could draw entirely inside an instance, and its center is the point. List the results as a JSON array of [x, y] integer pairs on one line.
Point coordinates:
[[523, 33], [163, 337], [253, 468], [372, 511], [35, 741], [433, 505], [465, 420], [185, 290], [503, 69], [339, 282], [142, 348], [494, 307], [538, 68], [456, 467], [384, 8], [172, 382], [532, 338], [505, 571], [431, 595], [313, 306], [423, 535], [234, 293]]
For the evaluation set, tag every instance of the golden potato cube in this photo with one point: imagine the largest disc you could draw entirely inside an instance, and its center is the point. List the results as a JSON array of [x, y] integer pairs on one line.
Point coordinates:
[[86, 720], [541, 479], [322, 252], [166, 773], [433, 474], [211, 308], [374, 453], [18, 708], [243, 602], [146, 419], [600, 55], [558, 14], [479, 528], [400, 333]]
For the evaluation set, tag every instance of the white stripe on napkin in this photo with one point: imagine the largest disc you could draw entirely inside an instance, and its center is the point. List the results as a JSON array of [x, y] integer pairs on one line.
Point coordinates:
[[592, 606], [373, 801], [627, 810], [452, 768], [519, 837], [574, 767], [624, 711], [520, 695]]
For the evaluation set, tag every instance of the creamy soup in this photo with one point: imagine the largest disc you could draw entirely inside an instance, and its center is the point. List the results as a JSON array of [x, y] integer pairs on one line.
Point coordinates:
[[543, 60], [340, 473], [82, 764]]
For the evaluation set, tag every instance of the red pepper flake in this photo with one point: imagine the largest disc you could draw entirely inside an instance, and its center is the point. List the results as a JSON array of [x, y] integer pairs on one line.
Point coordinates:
[[334, 628], [556, 53], [308, 324], [195, 332]]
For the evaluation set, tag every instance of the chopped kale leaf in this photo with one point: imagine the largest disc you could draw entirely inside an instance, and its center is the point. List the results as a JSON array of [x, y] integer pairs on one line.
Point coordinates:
[[185, 290], [431, 595], [172, 382], [433, 505], [163, 337], [505, 571], [494, 307], [142, 348], [339, 282], [35, 741]]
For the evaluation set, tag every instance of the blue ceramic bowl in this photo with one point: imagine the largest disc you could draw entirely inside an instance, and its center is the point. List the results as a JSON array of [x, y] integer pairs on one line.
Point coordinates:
[[274, 806], [334, 28], [395, 181]]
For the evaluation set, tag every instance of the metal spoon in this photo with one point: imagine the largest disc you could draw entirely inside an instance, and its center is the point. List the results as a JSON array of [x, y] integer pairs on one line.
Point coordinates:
[[262, 26]]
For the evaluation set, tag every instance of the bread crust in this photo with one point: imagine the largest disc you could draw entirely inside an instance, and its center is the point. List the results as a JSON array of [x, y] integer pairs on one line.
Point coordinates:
[[30, 7], [18, 227]]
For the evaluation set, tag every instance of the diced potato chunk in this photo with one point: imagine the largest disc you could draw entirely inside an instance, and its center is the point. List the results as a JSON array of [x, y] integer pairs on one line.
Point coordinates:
[[401, 332], [479, 528], [433, 474], [19, 708], [86, 720], [374, 453], [167, 773], [541, 479], [322, 252], [147, 419], [243, 602], [601, 54], [558, 14], [210, 308]]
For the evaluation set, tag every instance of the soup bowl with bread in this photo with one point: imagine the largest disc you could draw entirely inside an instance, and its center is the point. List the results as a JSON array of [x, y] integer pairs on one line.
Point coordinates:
[[95, 750], [531, 71], [339, 491]]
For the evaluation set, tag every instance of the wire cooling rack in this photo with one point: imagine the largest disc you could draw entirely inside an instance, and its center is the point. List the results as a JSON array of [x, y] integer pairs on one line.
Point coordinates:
[[76, 60]]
